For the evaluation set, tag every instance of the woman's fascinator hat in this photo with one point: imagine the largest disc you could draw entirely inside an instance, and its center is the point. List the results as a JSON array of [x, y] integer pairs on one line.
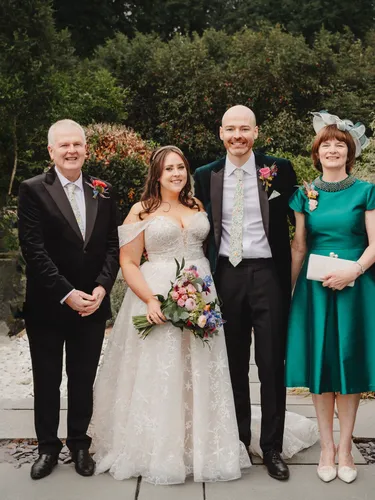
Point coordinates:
[[357, 131]]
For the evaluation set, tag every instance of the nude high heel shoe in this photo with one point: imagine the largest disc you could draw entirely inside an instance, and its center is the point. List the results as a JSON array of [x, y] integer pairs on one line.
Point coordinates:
[[347, 474], [327, 473]]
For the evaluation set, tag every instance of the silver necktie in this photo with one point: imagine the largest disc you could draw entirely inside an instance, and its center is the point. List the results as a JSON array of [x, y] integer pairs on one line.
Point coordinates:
[[71, 188], [235, 246]]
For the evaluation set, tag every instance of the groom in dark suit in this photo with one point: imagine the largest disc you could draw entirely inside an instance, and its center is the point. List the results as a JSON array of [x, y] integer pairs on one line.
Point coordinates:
[[246, 197], [68, 236]]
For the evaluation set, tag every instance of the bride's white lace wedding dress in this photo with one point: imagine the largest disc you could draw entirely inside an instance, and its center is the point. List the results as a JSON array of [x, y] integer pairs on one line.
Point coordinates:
[[163, 406]]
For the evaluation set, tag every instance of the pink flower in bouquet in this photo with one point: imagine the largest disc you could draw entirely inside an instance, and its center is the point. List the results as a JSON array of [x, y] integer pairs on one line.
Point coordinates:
[[175, 295], [265, 172], [181, 302], [190, 304], [202, 320], [191, 288], [184, 297], [182, 290]]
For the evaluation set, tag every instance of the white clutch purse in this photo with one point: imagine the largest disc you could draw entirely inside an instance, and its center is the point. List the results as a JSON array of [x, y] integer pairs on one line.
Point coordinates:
[[321, 265]]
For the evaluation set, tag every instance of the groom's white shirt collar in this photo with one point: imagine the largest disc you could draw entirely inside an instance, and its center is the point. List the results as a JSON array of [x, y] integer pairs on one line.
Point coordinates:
[[249, 167]]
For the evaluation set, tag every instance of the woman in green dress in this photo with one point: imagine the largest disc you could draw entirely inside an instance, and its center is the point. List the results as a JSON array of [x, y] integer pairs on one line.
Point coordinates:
[[331, 335]]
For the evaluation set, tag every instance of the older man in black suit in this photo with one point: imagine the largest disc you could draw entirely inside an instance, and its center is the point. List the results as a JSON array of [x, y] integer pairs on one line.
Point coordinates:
[[68, 236]]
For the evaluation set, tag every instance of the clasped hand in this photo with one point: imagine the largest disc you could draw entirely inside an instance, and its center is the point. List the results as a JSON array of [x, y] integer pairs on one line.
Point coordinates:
[[340, 279], [84, 303]]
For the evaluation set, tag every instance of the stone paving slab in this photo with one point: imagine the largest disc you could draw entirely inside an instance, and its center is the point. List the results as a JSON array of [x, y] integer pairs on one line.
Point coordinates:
[[305, 410], [20, 424], [63, 484], [255, 393], [254, 373], [365, 422], [302, 485], [252, 355], [26, 404], [298, 399], [188, 491]]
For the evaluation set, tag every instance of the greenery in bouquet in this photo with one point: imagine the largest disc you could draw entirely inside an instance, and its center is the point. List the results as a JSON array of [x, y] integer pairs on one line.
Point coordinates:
[[185, 306]]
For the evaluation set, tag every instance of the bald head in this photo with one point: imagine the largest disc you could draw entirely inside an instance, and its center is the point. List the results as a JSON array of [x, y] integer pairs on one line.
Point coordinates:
[[239, 112], [238, 132]]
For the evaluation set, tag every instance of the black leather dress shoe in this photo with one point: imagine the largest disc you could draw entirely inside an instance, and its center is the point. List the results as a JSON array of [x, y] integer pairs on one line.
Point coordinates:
[[276, 466], [84, 464], [43, 466]]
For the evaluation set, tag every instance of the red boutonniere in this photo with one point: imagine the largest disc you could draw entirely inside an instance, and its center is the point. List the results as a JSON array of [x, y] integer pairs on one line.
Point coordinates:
[[99, 188], [266, 175]]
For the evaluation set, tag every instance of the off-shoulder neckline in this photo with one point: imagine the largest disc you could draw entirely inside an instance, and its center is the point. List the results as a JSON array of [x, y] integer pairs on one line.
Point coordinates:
[[171, 219]]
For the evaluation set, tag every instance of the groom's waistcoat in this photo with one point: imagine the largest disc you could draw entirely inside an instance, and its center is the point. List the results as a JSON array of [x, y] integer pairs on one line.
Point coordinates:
[[57, 257]]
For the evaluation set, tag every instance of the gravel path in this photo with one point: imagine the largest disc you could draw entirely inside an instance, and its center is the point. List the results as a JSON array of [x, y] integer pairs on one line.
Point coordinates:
[[16, 381]]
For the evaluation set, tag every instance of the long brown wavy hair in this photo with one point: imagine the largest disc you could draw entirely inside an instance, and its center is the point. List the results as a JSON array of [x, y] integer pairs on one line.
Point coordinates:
[[151, 196]]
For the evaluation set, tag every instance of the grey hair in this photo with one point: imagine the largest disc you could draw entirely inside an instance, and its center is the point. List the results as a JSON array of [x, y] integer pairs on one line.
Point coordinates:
[[64, 123]]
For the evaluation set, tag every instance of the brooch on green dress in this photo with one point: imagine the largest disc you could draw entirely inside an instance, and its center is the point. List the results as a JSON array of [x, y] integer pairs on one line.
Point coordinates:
[[312, 195]]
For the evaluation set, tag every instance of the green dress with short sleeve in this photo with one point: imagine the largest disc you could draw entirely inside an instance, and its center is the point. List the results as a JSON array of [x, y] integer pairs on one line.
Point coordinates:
[[331, 334]]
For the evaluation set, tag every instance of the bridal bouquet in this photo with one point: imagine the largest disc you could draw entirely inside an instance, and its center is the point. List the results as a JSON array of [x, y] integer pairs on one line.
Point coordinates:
[[185, 307]]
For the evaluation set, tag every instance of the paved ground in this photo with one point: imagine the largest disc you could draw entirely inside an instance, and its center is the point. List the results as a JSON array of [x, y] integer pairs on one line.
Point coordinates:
[[16, 421]]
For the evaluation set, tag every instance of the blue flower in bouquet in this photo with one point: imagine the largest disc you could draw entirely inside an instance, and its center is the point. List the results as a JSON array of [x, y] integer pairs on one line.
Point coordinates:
[[207, 282]]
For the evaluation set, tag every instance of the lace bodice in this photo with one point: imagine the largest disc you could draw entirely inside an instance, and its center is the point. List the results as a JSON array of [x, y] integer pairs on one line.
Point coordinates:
[[166, 240]]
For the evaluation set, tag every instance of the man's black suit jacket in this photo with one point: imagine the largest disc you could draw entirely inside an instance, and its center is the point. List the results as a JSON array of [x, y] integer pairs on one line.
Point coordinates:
[[57, 258], [209, 189]]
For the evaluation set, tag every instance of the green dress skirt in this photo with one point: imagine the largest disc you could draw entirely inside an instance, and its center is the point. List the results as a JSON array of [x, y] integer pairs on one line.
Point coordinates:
[[331, 334]]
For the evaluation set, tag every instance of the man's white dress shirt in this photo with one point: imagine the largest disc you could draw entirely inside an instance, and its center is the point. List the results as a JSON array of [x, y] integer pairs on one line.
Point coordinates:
[[80, 199], [254, 243]]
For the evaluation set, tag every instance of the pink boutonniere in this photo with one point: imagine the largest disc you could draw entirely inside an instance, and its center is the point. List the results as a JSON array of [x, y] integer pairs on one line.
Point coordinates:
[[99, 188], [312, 195], [266, 175]]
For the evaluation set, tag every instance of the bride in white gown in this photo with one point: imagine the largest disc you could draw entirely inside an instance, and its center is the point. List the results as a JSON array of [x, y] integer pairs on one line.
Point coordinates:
[[163, 406]]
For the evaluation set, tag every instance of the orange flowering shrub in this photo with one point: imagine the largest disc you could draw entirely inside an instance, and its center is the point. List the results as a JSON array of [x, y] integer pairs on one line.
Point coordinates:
[[118, 155], [106, 141]]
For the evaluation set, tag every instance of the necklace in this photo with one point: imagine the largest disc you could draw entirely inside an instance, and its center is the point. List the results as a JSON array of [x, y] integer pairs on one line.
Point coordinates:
[[333, 187], [170, 206]]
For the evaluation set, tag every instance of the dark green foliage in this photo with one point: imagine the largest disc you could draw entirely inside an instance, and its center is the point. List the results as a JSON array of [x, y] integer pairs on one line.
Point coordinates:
[[179, 89]]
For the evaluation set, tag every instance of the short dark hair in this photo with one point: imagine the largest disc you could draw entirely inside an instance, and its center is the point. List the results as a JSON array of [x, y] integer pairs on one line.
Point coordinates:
[[327, 134]]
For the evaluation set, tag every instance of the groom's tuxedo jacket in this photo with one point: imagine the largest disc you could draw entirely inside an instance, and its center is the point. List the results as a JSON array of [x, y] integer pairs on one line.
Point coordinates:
[[209, 181], [57, 258]]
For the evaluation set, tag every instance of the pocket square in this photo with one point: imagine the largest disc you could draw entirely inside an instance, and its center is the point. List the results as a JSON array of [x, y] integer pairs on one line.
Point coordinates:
[[274, 194]]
